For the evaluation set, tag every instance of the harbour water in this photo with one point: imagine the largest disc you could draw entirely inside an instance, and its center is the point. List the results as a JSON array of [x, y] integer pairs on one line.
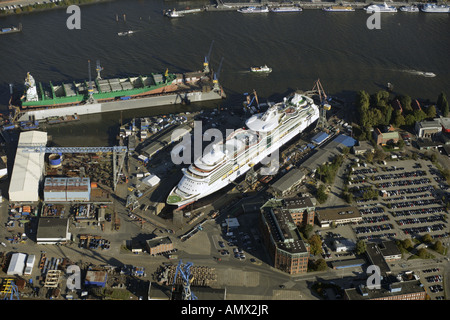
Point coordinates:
[[301, 47]]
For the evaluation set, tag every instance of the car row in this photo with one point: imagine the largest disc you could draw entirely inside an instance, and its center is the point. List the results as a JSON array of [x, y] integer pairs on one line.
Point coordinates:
[[378, 236], [369, 229], [431, 270], [435, 227], [407, 204], [374, 219], [402, 222], [436, 288], [402, 183], [433, 210], [436, 278], [395, 176], [365, 171], [409, 190]]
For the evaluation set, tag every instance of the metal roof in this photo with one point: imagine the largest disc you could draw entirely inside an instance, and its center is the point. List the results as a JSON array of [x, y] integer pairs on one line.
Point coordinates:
[[28, 168]]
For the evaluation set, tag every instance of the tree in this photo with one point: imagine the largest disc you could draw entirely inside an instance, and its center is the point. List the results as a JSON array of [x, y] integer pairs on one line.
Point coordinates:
[[442, 104], [431, 112], [362, 106], [360, 247], [321, 195], [307, 230], [410, 120], [405, 101], [399, 119], [427, 238], [315, 244]]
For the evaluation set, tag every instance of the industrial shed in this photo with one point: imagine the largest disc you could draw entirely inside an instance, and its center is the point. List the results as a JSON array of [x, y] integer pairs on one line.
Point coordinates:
[[52, 230], [17, 264], [28, 168]]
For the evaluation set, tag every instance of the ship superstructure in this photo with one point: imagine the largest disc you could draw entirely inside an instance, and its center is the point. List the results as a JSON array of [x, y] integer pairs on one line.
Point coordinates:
[[227, 160]]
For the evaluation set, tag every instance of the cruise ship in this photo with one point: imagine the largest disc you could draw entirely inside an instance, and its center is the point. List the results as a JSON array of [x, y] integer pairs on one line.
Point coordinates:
[[435, 8], [244, 148], [380, 8]]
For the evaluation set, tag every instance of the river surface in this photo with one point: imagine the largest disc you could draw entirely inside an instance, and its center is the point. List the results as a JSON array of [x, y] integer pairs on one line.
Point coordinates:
[[301, 47]]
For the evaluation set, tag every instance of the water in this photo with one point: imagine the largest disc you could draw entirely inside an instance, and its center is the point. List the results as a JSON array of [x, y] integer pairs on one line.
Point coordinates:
[[300, 47]]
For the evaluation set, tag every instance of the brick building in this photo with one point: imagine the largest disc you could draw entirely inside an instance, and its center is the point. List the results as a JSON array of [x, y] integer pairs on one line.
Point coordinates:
[[159, 245], [282, 240]]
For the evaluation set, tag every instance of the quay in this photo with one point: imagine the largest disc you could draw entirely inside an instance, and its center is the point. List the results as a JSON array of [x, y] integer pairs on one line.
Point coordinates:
[[221, 5]]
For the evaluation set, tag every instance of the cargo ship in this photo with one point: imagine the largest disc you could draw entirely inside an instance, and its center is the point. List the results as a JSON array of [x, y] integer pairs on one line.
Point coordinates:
[[244, 148], [115, 94]]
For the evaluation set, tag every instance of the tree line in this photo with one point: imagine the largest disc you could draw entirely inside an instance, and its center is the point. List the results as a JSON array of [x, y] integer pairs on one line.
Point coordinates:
[[379, 109]]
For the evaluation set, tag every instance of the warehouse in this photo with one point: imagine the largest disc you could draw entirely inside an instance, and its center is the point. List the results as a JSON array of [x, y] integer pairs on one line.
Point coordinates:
[[28, 168], [58, 189], [290, 180], [17, 264], [52, 230], [339, 216]]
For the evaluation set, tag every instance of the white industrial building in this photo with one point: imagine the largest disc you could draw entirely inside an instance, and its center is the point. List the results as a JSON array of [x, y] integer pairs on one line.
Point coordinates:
[[17, 264], [28, 170]]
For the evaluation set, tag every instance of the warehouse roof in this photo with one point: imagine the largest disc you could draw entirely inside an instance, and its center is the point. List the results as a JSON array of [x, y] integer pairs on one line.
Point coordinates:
[[51, 230], [28, 168], [289, 180]]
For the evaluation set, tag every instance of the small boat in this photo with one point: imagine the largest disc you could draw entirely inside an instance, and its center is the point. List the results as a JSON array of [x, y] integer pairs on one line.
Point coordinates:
[[435, 8], [11, 29], [173, 13], [264, 68], [125, 33], [380, 8], [253, 9], [286, 9], [339, 9], [412, 8]]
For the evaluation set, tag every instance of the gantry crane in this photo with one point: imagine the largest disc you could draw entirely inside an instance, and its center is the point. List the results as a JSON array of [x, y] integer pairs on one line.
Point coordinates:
[[187, 278], [324, 105]]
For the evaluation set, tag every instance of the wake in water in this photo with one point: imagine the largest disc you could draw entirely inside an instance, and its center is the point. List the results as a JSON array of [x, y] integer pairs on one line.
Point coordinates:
[[420, 73]]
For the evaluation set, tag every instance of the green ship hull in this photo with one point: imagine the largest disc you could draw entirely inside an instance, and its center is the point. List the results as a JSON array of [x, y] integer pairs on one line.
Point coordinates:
[[103, 90]]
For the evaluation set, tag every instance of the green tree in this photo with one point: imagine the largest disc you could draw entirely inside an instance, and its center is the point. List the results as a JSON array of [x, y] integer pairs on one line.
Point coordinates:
[[431, 112], [442, 104], [427, 238], [362, 106], [360, 247], [410, 120], [321, 194], [315, 244], [405, 101]]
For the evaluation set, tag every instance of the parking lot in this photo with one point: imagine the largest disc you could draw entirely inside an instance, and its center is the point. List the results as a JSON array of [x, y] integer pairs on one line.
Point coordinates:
[[408, 201], [432, 278]]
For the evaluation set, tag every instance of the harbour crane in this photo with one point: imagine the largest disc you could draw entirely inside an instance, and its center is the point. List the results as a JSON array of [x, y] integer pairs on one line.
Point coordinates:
[[187, 278], [10, 290], [324, 105], [91, 98], [99, 69], [216, 76], [206, 63]]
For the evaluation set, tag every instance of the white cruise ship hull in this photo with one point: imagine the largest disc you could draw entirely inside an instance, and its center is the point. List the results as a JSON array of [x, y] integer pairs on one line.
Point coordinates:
[[223, 182]]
